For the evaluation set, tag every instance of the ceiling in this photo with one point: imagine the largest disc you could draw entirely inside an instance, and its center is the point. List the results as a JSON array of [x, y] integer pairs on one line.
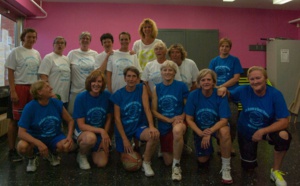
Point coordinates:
[[261, 4]]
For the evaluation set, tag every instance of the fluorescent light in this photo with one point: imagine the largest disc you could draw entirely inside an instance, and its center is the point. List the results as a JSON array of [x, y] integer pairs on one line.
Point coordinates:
[[280, 2], [228, 0]]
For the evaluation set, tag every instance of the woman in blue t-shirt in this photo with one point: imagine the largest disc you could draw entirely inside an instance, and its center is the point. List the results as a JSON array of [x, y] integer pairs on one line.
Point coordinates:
[[264, 117], [92, 114], [40, 127], [207, 114], [168, 99]]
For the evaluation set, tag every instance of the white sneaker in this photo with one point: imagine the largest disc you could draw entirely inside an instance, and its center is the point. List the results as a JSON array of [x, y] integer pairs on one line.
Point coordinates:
[[53, 159], [276, 176], [146, 167], [176, 173], [226, 175], [32, 164], [83, 162]]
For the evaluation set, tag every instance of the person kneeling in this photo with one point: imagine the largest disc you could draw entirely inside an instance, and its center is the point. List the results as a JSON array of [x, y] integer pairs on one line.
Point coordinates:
[[40, 127], [132, 116], [207, 114]]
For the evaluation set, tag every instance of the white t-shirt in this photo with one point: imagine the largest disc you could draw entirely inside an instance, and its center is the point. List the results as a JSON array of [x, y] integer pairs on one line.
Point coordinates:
[[188, 72], [116, 64], [144, 52], [25, 62], [152, 74], [100, 59], [57, 68], [82, 64]]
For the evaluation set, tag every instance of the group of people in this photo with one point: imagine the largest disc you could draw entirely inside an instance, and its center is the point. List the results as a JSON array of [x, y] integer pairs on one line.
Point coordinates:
[[139, 94]]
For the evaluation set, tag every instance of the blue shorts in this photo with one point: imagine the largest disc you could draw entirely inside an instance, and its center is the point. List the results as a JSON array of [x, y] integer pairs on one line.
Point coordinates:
[[51, 142], [98, 142], [200, 151], [137, 135]]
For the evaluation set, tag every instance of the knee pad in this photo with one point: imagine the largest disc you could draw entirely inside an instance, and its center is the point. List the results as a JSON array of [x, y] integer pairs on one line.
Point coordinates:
[[282, 144]]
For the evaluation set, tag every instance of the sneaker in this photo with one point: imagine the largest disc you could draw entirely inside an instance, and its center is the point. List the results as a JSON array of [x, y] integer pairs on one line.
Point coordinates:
[[226, 176], [83, 162], [187, 149], [53, 159], [32, 164], [14, 156], [146, 167], [276, 176], [176, 173]]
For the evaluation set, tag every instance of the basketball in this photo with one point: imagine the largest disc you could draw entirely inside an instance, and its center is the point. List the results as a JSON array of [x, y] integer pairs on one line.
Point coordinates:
[[131, 161]]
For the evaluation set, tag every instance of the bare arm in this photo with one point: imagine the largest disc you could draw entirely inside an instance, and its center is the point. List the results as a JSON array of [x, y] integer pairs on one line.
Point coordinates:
[[109, 85], [103, 66], [153, 131], [148, 89], [279, 125], [126, 142], [232, 81], [194, 127], [11, 80], [44, 77]]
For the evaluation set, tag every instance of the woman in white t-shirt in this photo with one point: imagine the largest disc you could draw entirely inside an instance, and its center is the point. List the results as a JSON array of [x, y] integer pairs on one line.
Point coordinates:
[[144, 47], [55, 68], [82, 64]]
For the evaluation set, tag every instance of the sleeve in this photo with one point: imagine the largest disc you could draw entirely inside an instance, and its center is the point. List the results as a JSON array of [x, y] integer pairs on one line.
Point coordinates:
[[135, 47], [79, 107], [145, 76], [109, 64], [177, 75], [45, 66], [237, 66], [189, 108], [212, 65], [235, 93], [137, 64], [281, 110], [11, 61], [115, 98], [195, 71], [97, 62], [185, 90], [224, 109], [25, 120]]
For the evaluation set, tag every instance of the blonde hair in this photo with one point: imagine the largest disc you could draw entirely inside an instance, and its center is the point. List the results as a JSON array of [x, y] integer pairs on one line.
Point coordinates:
[[154, 28], [85, 34], [36, 87], [202, 73], [254, 68], [169, 63]]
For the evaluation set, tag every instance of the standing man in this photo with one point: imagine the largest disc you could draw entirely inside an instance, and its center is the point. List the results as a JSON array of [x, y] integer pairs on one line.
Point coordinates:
[[22, 64]]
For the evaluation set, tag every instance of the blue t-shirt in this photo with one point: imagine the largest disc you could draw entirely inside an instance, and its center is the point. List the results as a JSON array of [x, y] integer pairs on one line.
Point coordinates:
[[207, 111], [225, 69], [131, 108], [42, 121], [93, 109], [258, 111], [170, 102]]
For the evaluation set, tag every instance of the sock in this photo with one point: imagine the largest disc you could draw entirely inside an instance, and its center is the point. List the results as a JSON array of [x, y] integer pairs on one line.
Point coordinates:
[[225, 162], [175, 162]]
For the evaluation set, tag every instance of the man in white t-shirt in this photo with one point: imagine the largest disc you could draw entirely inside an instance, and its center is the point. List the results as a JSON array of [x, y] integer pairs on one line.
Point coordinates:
[[118, 62], [22, 64], [107, 41]]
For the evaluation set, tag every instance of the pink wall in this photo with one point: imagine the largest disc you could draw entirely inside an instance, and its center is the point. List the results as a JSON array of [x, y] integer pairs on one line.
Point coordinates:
[[243, 26]]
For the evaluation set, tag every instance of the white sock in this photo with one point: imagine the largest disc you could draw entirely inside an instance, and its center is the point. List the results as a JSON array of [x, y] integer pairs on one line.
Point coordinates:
[[175, 162], [225, 162]]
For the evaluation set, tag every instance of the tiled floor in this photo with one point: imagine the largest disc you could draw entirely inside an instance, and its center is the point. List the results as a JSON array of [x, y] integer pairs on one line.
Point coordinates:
[[68, 172]]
